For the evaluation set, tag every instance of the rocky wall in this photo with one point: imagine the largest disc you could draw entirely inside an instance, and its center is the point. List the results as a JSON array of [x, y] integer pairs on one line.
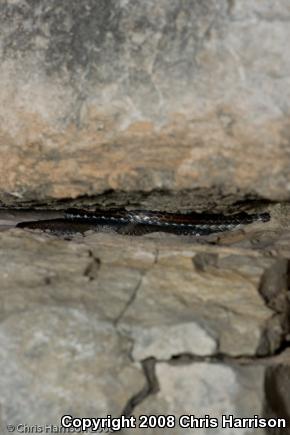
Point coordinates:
[[109, 325], [140, 96], [160, 105]]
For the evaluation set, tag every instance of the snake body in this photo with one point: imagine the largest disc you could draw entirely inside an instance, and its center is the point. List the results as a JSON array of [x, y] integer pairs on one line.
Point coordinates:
[[140, 222]]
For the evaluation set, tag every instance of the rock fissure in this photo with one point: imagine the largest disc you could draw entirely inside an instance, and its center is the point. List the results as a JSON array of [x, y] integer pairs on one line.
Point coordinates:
[[133, 296], [186, 358], [153, 106], [151, 387], [130, 301]]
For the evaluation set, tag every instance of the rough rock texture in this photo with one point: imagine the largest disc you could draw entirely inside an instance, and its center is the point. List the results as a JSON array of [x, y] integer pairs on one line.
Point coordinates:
[[204, 388], [213, 300], [82, 322], [57, 361], [217, 389], [133, 95], [171, 105]]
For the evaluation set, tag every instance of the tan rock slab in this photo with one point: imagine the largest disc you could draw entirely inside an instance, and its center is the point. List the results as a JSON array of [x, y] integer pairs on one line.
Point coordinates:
[[138, 97]]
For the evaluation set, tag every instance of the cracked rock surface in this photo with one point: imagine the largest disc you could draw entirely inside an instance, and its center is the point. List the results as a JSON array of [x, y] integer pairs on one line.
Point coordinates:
[[61, 360], [216, 389], [105, 324], [169, 105]]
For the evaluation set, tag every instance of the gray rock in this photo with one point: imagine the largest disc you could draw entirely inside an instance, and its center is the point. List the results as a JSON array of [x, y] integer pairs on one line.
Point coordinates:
[[80, 318], [163, 342], [223, 298], [153, 290], [207, 389], [63, 361], [138, 96]]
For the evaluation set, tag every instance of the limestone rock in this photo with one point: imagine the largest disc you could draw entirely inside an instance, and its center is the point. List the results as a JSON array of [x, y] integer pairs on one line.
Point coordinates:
[[164, 342], [222, 296], [153, 290], [80, 318], [59, 361], [132, 95], [37, 270], [277, 383], [212, 389]]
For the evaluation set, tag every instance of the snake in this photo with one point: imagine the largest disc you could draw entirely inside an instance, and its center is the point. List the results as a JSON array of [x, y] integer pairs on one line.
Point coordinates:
[[139, 222]]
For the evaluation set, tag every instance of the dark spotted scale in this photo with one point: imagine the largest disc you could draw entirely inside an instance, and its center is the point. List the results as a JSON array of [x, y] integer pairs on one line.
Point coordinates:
[[138, 222]]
